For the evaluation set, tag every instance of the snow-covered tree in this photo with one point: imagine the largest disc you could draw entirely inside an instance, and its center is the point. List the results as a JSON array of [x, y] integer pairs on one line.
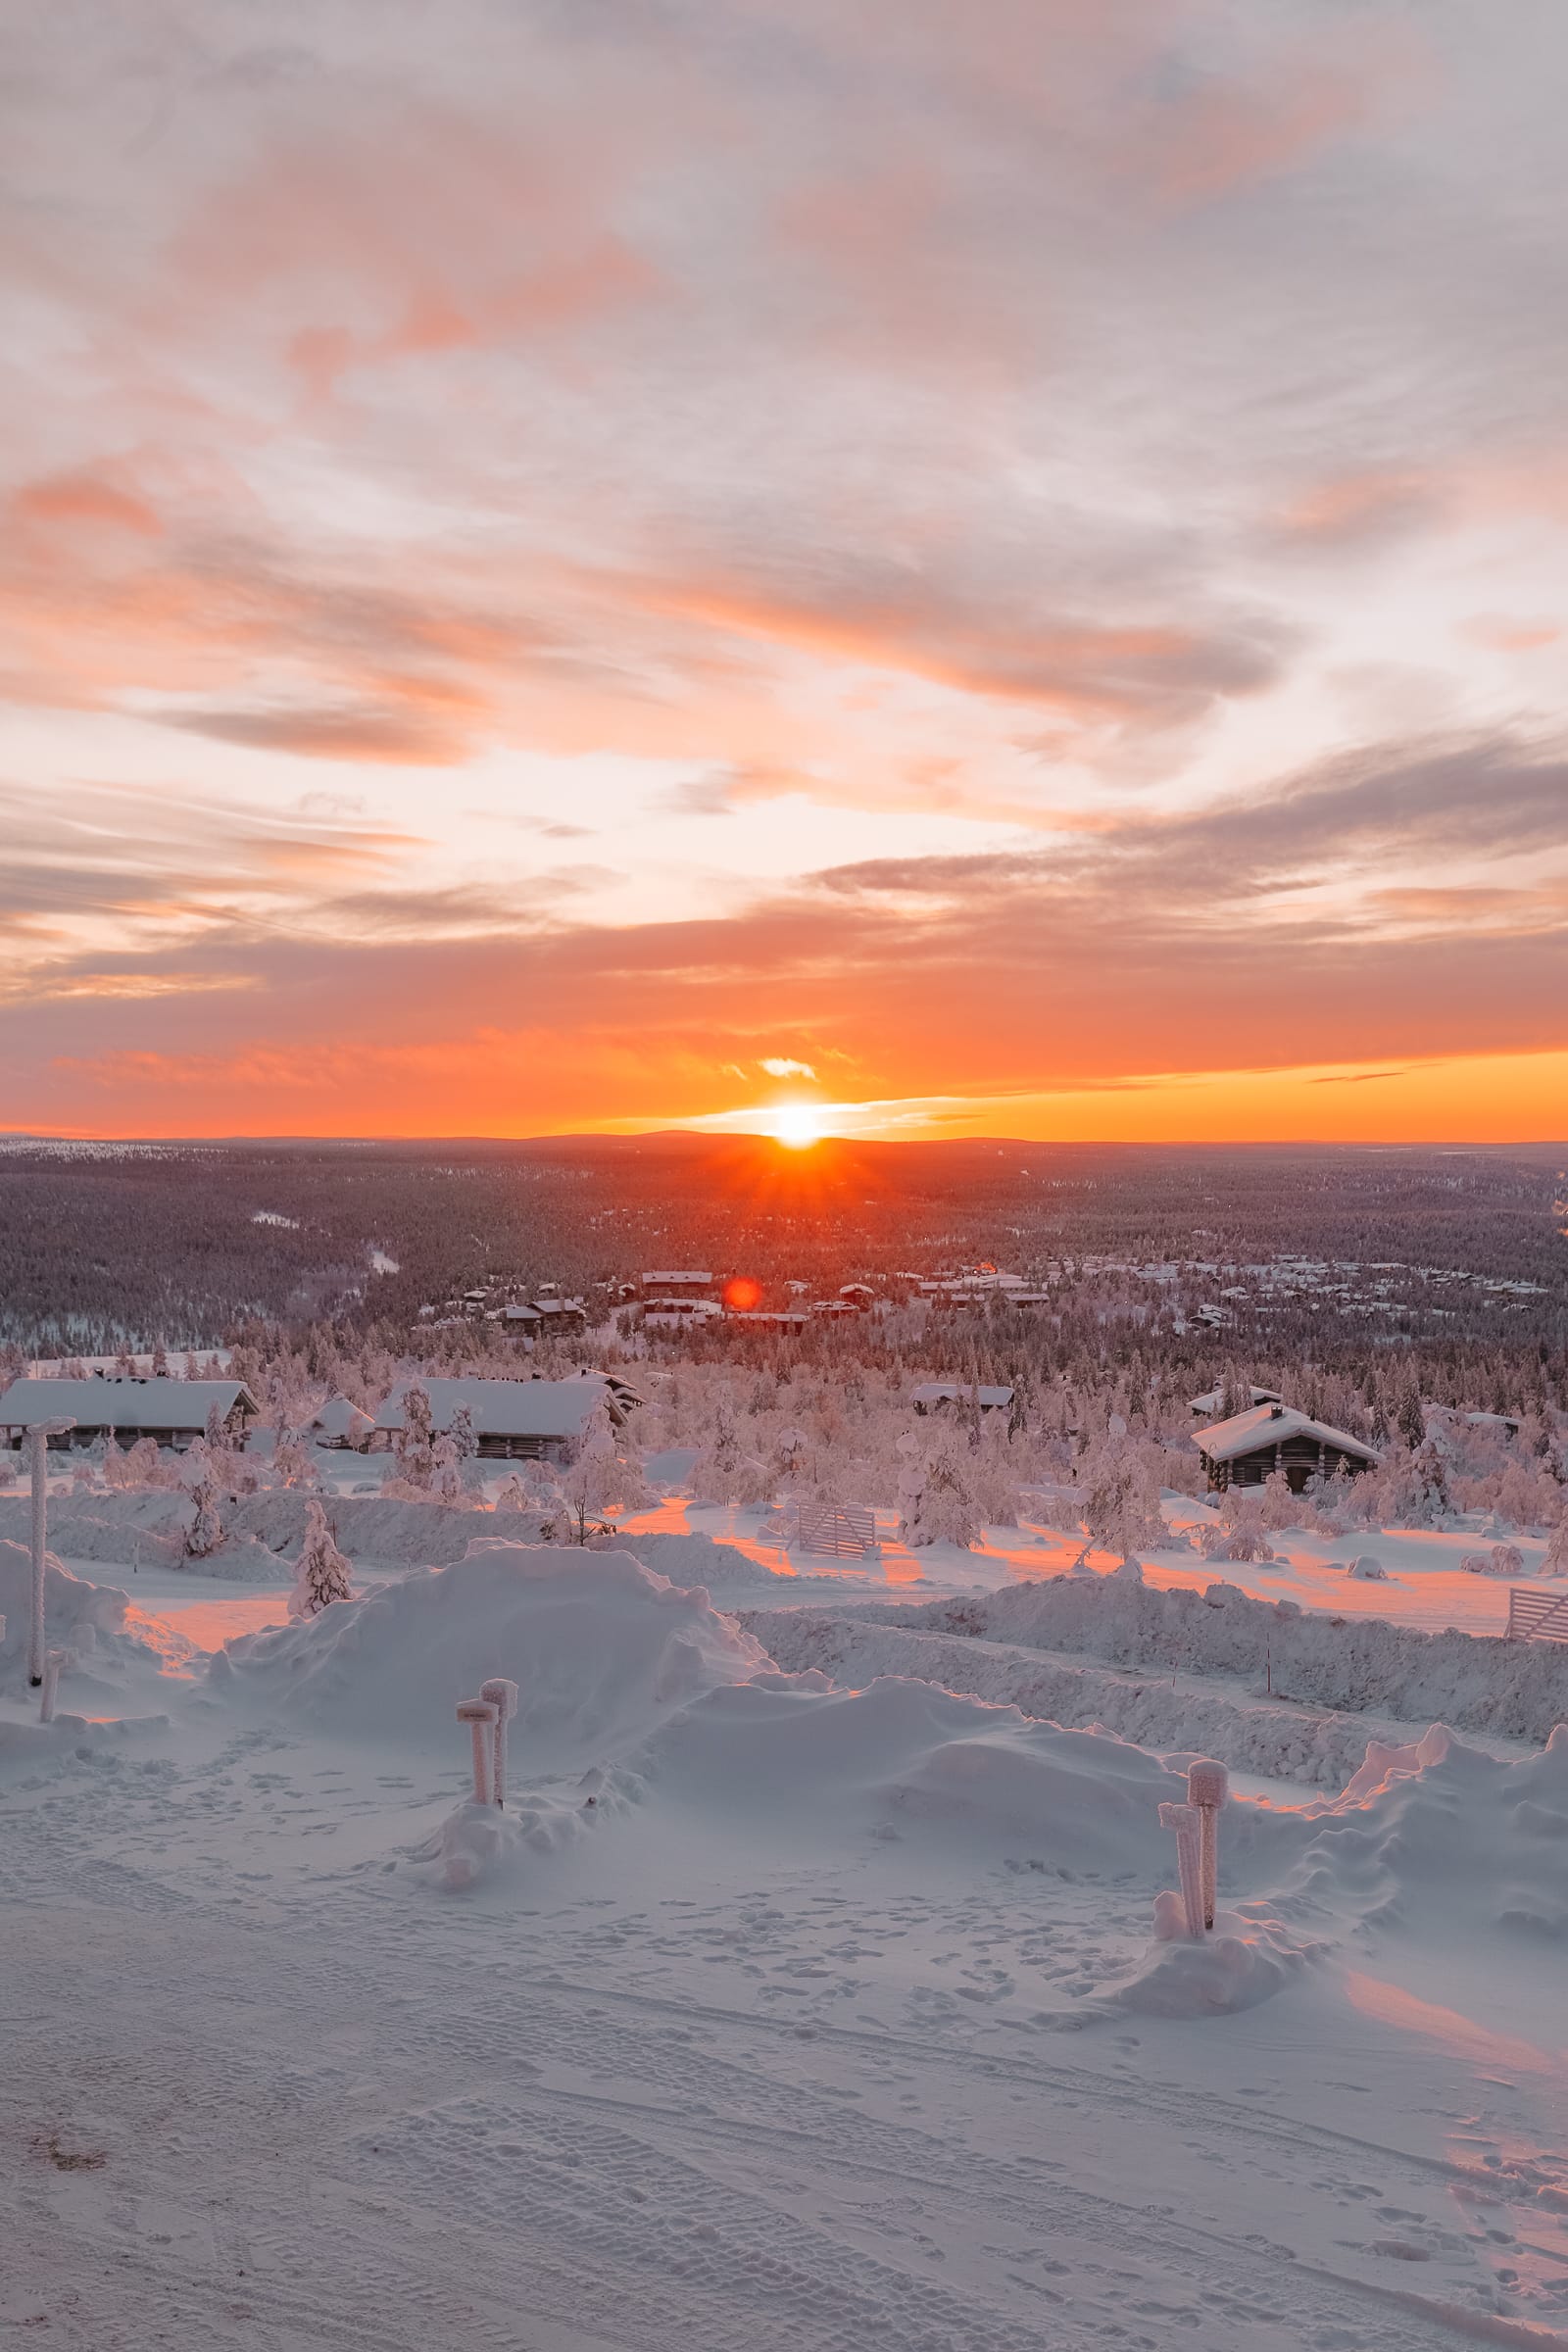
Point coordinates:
[[1120, 1500], [461, 1435], [599, 1479], [1281, 1508], [412, 1443], [321, 1573], [291, 1463], [206, 1530]]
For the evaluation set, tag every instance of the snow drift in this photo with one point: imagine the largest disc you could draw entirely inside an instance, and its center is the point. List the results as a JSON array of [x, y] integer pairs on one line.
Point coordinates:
[[602, 1649], [1514, 1690], [95, 1623]]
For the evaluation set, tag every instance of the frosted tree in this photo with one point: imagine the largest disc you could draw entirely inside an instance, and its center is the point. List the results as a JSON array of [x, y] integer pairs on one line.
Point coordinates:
[[716, 1467], [936, 1499], [1280, 1506], [461, 1435], [160, 1362], [321, 1573], [217, 1430], [447, 1482], [599, 1479], [206, 1530], [413, 1442], [1120, 1500], [911, 1489], [1555, 1562], [291, 1463]]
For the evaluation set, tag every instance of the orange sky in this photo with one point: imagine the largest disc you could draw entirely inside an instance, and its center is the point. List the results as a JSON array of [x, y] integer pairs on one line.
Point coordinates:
[[542, 576]]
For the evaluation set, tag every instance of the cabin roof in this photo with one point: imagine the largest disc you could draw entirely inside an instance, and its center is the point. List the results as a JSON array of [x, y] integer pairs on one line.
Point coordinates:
[[1270, 1425], [339, 1417], [947, 1391], [106, 1400], [507, 1408]]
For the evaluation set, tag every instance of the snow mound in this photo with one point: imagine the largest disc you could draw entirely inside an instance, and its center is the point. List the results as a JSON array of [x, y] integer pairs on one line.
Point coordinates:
[[1368, 1569], [95, 1623], [688, 1557], [1248, 1958], [601, 1649], [477, 1842], [903, 1759], [1444, 1840]]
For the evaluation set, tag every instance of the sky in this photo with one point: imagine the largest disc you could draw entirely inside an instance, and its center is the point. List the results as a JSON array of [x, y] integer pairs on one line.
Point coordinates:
[[990, 569]]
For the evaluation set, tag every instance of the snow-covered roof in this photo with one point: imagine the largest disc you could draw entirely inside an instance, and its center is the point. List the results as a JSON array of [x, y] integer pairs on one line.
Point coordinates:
[[119, 1403], [1216, 1397], [340, 1417], [677, 1277], [1270, 1425], [506, 1408], [945, 1392]]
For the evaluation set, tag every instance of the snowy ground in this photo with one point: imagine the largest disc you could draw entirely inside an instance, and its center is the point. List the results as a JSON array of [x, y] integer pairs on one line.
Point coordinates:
[[833, 2021]]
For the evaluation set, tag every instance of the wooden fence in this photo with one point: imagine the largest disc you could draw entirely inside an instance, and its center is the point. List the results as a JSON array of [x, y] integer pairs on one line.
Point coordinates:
[[1537, 1616], [845, 1530]]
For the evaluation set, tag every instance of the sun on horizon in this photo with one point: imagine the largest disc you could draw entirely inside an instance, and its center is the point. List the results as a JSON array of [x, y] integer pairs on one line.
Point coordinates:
[[796, 1125]]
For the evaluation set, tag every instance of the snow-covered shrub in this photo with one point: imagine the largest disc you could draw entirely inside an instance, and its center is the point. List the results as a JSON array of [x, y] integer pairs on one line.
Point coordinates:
[[1503, 1559], [1367, 1569]]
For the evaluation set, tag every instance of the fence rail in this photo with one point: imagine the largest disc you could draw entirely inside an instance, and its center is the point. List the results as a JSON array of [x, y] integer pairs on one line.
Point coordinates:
[[1537, 1616]]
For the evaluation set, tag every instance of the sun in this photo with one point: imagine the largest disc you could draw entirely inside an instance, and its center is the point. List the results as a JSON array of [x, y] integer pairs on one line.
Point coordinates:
[[795, 1125]]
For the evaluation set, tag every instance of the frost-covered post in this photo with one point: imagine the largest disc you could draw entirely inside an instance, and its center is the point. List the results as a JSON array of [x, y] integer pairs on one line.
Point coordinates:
[[1208, 1788], [52, 1665], [1184, 1820], [38, 1438], [481, 1715], [503, 1697]]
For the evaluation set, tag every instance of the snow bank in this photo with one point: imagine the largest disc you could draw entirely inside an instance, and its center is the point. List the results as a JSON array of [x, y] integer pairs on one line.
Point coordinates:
[[96, 1623], [1275, 1738], [1514, 1690], [263, 1531], [599, 1648], [385, 1529], [114, 1529], [1457, 1840], [690, 1559]]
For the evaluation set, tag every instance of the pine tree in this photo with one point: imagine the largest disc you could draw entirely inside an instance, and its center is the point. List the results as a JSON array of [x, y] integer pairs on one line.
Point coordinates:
[[321, 1573]]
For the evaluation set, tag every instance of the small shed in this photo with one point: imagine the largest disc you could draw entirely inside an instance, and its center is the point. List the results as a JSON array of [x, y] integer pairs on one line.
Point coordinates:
[[171, 1412], [341, 1424], [1250, 1447]]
